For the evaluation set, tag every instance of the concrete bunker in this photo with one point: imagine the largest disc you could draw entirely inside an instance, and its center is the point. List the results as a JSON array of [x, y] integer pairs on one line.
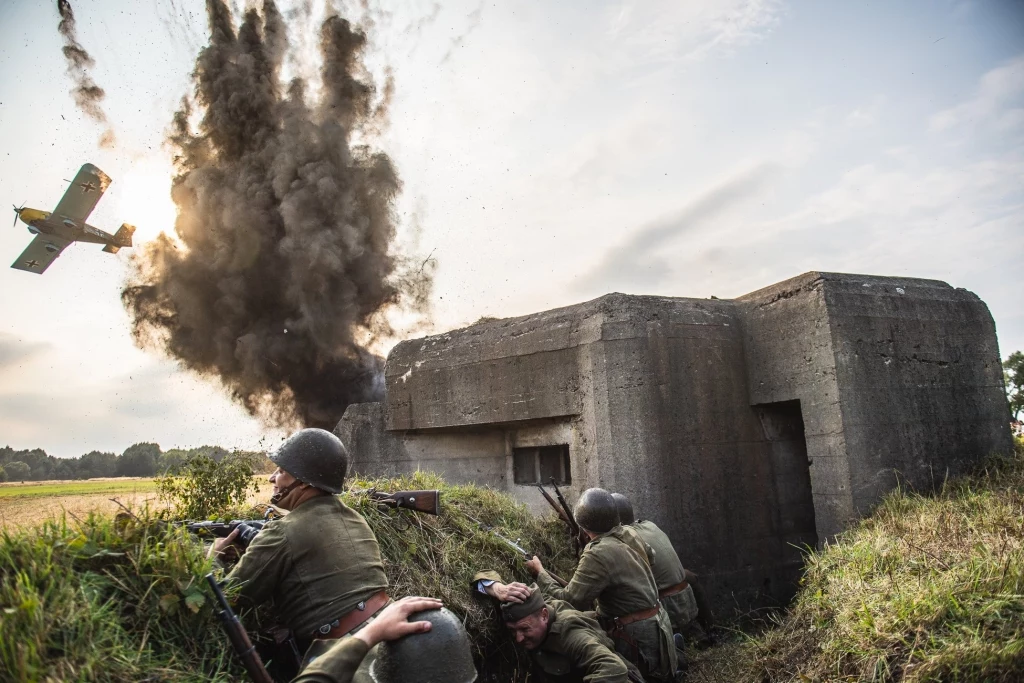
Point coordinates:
[[746, 428]]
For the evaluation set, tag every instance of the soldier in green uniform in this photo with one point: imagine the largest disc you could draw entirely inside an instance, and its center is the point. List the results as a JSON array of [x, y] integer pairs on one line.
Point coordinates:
[[565, 645], [320, 564], [677, 594], [435, 648], [614, 571]]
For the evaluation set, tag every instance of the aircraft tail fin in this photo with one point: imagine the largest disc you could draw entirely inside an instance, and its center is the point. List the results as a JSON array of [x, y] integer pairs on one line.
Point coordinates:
[[111, 249], [123, 237]]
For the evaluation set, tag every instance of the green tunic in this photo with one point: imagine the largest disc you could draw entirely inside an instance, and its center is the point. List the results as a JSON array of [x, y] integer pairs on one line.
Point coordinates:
[[337, 665], [614, 571], [576, 648], [316, 563], [668, 571]]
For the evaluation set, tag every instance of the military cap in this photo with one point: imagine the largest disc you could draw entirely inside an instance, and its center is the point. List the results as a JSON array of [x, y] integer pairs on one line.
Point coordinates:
[[514, 611]]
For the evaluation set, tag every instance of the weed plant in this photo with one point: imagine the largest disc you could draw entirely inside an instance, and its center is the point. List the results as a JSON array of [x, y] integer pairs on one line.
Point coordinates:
[[929, 588]]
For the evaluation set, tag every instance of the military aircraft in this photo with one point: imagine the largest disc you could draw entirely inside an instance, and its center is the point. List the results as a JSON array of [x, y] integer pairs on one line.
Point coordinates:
[[54, 231]]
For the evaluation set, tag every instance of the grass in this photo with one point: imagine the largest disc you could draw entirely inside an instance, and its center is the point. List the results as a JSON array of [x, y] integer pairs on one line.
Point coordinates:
[[122, 600], [76, 488], [929, 588]]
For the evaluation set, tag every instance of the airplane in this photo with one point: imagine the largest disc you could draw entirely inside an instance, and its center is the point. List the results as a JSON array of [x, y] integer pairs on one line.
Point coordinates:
[[55, 231]]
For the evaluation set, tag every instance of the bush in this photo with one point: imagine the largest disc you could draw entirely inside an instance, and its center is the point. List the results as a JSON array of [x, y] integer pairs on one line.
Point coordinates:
[[203, 488]]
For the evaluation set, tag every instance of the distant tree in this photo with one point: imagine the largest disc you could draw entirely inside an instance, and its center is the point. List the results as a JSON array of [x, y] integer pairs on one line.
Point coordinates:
[[172, 461], [3, 474], [17, 470], [1013, 373], [139, 460], [97, 464]]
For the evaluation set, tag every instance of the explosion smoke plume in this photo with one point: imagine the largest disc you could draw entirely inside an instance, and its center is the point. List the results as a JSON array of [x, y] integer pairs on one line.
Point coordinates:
[[287, 227], [87, 94]]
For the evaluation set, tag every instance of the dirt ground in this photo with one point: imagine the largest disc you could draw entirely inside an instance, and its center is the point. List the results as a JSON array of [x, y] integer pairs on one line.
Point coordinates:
[[18, 512]]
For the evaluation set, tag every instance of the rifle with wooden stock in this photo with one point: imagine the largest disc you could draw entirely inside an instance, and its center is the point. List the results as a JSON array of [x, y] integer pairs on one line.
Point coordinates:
[[523, 552], [428, 502], [564, 512], [240, 642]]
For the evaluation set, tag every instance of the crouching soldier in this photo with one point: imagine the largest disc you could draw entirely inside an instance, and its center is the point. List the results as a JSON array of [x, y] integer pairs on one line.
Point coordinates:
[[614, 570], [420, 642], [564, 644], [319, 564]]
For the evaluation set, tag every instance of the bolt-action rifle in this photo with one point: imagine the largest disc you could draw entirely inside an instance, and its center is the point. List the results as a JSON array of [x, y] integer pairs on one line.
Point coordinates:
[[564, 512], [523, 552], [418, 501], [247, 529], [243, 647]]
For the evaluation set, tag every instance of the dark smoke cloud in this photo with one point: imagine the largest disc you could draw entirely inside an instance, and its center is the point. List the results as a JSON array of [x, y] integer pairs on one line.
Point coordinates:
[[286, 221], [88, 96]]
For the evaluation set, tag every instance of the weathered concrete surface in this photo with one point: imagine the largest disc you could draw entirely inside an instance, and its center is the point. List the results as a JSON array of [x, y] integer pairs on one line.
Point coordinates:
[[744, 428]]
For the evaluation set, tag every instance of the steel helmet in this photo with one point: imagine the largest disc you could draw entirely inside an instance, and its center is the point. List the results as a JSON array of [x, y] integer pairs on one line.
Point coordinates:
[[625, 509], [596, 511], [444, 653], [315, 457]]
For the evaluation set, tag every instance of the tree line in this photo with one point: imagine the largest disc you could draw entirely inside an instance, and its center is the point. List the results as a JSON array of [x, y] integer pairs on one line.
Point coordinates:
[[138, 460]]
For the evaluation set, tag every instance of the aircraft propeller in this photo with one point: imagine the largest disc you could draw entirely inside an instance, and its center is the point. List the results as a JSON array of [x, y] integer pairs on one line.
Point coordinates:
[[17, 212]]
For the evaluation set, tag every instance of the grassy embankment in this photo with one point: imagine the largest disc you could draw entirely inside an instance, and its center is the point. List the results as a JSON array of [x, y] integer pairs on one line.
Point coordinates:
[[929, 588], [125, 601]]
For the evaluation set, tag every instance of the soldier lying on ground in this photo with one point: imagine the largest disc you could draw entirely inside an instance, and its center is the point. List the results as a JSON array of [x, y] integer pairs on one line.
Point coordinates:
[[434, 649], [320, 564], [564, 644], [614, 570]]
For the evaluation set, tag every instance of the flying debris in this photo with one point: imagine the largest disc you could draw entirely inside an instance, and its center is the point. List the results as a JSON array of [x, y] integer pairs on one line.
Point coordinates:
[[88, 96], [54, 231], [284, 260]]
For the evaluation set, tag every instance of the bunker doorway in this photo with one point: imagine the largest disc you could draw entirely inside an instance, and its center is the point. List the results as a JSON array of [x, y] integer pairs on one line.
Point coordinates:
[[783, 426]]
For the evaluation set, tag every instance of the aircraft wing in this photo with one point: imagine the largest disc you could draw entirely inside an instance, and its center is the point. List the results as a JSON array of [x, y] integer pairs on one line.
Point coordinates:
[[85, 191], [40, 253]]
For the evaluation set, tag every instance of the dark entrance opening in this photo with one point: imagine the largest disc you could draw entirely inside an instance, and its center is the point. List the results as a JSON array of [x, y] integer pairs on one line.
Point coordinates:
[[783, 426]]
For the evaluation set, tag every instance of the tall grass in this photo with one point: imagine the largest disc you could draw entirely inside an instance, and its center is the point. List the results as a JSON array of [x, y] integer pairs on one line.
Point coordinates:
[[929, 588], [122, 600]]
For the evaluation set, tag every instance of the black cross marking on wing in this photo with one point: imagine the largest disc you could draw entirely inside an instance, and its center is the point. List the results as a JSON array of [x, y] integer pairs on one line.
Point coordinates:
[[87, 187], [32, 263]]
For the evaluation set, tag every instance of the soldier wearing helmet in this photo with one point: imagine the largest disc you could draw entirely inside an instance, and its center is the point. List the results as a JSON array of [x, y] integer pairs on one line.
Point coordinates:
[[614, 572], [320, 563]]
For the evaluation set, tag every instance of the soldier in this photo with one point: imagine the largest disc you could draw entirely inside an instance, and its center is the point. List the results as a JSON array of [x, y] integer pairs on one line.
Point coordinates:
[[437, 648], [674, 582], [564, 644], [320, 563], [614, 570]]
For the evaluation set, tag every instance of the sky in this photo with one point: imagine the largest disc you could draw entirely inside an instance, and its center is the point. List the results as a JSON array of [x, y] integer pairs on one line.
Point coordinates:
[[550, 153]]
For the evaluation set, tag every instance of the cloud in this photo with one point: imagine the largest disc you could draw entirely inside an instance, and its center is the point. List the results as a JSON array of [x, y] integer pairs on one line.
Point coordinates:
[[998, 101], [636, 261], [15, 352]]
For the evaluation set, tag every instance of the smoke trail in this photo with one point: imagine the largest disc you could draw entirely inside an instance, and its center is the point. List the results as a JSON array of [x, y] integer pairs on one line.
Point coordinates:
[[287, 227], [86, 93]]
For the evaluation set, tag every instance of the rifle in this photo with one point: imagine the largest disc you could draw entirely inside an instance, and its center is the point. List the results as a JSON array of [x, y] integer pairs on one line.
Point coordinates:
[[564, 512], [517, 548], [243, 647], [247, 529], [418, 501]]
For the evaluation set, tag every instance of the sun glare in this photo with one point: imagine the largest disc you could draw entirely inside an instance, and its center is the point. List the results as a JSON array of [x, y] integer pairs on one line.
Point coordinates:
[[145, 202]]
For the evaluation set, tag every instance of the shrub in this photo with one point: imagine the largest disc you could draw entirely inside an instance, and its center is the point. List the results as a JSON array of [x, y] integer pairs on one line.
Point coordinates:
[[202, 488], [18, 471]]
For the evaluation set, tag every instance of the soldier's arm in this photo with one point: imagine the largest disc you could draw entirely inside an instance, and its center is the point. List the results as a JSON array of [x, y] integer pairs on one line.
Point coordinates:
[[594, 660], [586, 584], [337, 665], [263, 565]]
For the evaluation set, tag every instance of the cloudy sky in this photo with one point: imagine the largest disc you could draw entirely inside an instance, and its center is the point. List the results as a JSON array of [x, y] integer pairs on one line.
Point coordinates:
[[550, 153]]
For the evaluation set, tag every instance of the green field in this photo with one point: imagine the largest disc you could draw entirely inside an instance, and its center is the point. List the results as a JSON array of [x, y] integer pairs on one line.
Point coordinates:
[[76, 488]]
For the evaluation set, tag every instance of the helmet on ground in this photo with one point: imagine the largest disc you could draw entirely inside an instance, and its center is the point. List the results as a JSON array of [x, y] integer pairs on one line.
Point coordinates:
[[625, 509], [315, 457], [444, 653], [596, 511]]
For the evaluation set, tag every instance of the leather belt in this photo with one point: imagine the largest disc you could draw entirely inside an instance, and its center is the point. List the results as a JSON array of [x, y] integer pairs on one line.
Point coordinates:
[[353, 619], [672, 590], [627, 619]]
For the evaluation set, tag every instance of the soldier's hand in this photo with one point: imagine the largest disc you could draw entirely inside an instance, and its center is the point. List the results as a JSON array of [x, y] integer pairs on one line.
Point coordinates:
[[393, 621], [221, 545], [534, 566], [511, 592]]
